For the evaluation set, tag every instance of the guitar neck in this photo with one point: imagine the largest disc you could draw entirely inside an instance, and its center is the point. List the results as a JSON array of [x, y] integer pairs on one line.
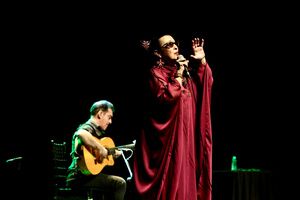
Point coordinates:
[[111, 151], [127, 146]]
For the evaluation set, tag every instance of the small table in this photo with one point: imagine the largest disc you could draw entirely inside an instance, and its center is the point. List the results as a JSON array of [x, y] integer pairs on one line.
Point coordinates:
[[243, 184]]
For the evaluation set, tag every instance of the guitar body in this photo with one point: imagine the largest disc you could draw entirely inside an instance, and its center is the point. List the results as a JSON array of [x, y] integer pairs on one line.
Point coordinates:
[[88, 164]]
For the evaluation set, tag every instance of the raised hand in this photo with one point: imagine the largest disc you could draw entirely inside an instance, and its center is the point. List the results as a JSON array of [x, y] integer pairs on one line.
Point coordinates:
[[198, 50]]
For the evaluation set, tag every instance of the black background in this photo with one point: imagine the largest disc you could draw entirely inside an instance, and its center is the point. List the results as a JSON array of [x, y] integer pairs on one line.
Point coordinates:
[[55, 65]]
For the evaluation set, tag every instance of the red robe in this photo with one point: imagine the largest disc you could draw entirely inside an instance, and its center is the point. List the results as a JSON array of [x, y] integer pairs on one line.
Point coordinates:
[[173, 156]]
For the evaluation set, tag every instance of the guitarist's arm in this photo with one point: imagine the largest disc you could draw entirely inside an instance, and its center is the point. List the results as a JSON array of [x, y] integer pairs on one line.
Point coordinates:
[[90, 143]]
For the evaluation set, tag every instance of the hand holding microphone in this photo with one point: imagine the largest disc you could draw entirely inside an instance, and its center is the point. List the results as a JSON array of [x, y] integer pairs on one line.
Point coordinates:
[[183, 65]]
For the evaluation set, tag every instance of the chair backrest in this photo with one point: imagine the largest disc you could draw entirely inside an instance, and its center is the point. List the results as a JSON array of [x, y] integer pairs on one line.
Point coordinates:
[[59, 161]]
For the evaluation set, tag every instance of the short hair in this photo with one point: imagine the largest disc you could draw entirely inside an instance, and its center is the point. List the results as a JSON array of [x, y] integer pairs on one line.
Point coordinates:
[[154, 41], [103, 105]]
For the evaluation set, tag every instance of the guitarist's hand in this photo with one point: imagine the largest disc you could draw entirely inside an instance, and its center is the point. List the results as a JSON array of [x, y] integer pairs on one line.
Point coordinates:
[[101, 153]]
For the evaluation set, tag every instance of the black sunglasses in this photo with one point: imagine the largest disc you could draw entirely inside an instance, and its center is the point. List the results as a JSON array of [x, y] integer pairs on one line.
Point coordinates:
[[169, 45]]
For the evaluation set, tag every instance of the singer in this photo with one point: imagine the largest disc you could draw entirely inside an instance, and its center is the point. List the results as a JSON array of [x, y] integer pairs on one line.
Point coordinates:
[[173, 159]]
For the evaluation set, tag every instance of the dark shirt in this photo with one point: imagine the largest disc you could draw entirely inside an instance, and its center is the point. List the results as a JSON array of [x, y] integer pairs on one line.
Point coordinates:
[[74, 172]]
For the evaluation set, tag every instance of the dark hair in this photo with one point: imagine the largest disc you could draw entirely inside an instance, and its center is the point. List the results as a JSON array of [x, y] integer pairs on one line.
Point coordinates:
[[103, 105], [154, 41], [147, 52]]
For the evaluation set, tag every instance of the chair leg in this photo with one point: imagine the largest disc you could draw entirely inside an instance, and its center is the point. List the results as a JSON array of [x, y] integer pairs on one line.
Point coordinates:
[[102, 197], [90, 195]]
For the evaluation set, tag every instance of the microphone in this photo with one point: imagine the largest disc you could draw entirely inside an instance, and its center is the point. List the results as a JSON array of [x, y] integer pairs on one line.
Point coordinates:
[[182, 61]]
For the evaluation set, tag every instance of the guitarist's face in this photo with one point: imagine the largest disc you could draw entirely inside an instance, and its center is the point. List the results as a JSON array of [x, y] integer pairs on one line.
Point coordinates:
[[105, 118]]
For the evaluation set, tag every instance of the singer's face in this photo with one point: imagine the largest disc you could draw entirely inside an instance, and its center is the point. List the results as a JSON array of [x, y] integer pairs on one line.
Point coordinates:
[[168, 47]]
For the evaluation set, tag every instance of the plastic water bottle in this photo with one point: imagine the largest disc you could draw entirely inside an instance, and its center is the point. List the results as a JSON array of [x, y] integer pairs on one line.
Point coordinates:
[[233, 163]]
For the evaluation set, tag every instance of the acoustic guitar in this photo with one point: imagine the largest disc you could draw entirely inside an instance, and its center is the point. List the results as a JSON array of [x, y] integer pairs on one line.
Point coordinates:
[[89, 165]]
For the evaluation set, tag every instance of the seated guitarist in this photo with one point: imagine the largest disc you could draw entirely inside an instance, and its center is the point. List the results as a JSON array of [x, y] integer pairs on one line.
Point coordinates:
[[86, 137]]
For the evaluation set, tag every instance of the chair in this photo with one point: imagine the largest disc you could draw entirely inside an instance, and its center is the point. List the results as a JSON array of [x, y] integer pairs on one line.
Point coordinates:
[[60, 161], [12, 176]]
